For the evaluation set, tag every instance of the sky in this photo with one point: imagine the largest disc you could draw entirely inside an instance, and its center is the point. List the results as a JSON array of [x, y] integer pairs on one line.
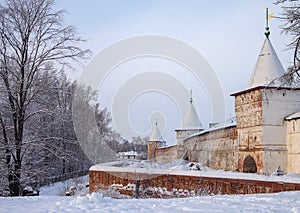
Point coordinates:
[[228, 34]]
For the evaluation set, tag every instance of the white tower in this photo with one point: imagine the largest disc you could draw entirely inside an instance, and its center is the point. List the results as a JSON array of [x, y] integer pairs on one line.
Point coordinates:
[[156, 140], [191, 125], [268, 67], [260, 111]]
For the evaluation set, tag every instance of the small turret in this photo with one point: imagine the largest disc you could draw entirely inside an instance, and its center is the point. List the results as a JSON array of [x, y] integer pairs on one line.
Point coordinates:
[[191, 125], [156, 140], [191, 120]]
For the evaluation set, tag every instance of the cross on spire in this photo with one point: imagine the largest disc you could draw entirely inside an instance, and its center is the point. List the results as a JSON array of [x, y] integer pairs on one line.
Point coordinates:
[[267, 33], [191, 96]]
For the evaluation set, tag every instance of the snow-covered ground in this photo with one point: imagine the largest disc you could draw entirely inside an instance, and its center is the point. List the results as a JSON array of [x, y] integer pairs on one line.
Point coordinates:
[[280, 202], [60, 188], [51, 198]]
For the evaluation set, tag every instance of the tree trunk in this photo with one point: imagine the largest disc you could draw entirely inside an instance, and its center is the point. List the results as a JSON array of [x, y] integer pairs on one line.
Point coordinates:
[[15, 181], [15, 184]]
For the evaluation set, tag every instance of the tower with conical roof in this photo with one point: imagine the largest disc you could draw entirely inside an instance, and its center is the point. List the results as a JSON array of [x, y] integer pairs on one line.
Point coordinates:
[[191, 120], [268, 67], [260, 111], [155, 141], [191, 125]]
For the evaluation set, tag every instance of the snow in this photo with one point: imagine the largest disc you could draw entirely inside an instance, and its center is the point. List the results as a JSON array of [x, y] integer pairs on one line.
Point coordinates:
[[95, 202], [28, 188], [230, 122], [166, 146], [181, 167], [49, 201], [293, 116], [130, 153], [61, 188]]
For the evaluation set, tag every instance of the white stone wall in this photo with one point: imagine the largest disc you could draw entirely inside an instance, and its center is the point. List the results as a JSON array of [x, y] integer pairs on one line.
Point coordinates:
[[217, 149], [279, 103], [273, 159], [276, 105], [181, 135], [293, 145], [166, 154]]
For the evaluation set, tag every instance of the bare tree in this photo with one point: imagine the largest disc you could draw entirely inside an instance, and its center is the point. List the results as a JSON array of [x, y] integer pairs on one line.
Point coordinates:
[[291, 18], [32, 40]]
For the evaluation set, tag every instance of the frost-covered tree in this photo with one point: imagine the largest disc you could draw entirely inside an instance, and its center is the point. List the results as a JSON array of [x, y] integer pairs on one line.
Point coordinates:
[[291, 19], [33, 40], [53, 146], [49, 139], [140, 146]]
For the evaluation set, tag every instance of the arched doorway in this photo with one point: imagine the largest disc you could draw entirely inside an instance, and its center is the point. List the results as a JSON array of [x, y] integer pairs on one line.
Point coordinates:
[[249, 165]]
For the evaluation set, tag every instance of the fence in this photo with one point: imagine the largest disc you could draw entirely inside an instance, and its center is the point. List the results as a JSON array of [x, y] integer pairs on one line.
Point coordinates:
[[59, 178], [101, 179]]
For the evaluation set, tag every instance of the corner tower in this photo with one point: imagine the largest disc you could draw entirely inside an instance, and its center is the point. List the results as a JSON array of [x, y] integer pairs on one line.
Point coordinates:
[[260, 111], [156, 140]]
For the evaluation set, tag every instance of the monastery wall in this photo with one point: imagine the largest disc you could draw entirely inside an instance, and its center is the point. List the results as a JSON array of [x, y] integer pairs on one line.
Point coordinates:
[[152, 147], [181, 135], [277, 104], [248, 109], [216, 149], [293, 145], [166, 154]]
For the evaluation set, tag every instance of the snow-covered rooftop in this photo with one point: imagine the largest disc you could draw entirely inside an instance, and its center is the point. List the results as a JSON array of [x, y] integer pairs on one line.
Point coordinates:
[[223, 124], [167, 146], [230, 122], [130, 153], [295, 115]]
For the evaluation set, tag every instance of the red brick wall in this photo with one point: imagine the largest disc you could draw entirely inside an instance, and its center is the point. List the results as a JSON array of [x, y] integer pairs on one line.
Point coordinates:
[[102, 179]]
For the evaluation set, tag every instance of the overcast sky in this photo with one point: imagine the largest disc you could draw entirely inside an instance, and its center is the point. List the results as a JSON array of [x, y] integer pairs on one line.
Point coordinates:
[[229, 35]]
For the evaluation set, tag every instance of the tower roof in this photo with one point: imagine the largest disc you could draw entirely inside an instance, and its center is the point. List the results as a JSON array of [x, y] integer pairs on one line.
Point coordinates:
[[267, 68], [191, 119], [156, 135]]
